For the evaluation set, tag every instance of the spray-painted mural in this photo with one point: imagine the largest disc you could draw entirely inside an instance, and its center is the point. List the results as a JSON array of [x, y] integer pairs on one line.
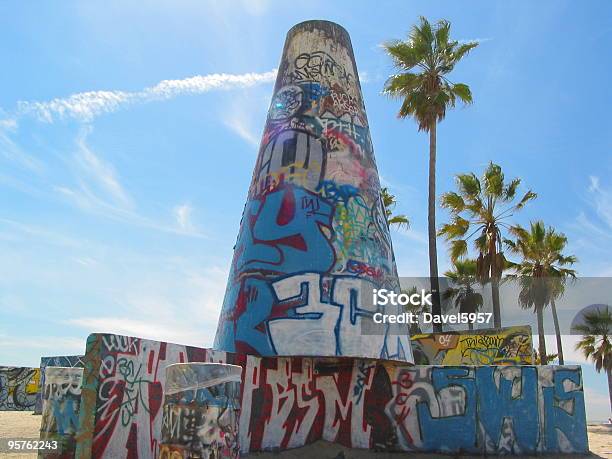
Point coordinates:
[[122, 396], [60, 414], [313, 237], [18, 388], [55, 361], [505, 346], [201, 408], [361, 403]]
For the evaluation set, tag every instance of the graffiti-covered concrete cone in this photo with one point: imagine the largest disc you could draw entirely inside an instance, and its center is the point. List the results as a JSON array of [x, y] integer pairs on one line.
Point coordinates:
[[201, 411], [314, 240], [60, 411]]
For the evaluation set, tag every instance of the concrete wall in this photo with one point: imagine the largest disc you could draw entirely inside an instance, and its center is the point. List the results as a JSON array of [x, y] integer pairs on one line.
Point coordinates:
[[504, 346], [359, 403], [313, 235], [55, 361], [60, 414], [19, 387]]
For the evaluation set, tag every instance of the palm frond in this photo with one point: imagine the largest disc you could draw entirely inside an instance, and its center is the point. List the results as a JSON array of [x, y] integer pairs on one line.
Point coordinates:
[[463, 92], [458, 249]]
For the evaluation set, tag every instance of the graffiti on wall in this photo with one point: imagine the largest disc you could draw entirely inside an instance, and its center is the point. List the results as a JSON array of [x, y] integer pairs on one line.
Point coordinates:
[[18, 388], [122, 394], [313, 234], [505, 346], [490, 409], [202, 423], [289, 402], [60, 416], [69, 361]]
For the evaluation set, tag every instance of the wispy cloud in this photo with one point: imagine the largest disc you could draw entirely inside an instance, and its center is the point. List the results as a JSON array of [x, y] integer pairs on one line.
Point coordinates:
[[98, 184], [57, 344], [601, 200], [8, 124], [86, 106], [244, 115], [151, 311], [13, 153], [183, 217], [238, 122], [477, 40], [99, 190], [103, 174], [125, 326]]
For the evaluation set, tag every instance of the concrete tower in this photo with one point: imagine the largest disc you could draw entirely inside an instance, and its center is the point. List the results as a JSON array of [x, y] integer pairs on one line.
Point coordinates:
[[313, 240]]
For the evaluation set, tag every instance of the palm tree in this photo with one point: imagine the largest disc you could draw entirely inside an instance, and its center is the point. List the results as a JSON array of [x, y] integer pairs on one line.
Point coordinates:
[[426, 95], [481, 208], [389, 203], [463, 278], [595, 343], [558, 291], [416, 309], [540, 270]]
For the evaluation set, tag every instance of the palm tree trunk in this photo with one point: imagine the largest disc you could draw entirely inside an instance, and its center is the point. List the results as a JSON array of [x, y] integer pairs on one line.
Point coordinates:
[[553, 306], [436, 308], [541, 340], [610, 386], [496, 306]]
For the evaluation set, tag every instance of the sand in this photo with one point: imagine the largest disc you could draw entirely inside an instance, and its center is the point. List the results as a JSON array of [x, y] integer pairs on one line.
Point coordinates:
[[24, 425]]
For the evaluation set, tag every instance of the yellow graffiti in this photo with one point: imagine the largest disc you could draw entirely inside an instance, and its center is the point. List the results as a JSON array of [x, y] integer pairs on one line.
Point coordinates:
[[506, 346], [34, 382]]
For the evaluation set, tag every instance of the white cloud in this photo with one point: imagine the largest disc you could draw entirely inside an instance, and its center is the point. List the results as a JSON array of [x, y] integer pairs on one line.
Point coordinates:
[[86, 106], [98, 190], [591, 231], [183, 309], [239, 123], [601, 200], [103, 174], [183, 217], [18, 231], [245, 115], [125, 326], [477, 40], [8, 124], [16, 155], [60, 345]]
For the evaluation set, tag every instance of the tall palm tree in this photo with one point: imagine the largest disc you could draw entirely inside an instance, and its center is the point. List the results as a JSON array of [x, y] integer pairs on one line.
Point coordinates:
[[595, 343], [389, 203], [463, 279], [426, 95], [558, 291], [480, 209], [540, 269], [416, 309]]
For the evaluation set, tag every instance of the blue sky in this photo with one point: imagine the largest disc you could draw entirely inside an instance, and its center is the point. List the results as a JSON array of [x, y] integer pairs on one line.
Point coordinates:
[[121, 195]]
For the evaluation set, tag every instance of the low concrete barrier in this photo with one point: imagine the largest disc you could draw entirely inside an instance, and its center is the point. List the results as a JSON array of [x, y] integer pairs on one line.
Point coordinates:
[[18, 388], [60, 413], [287, 402]]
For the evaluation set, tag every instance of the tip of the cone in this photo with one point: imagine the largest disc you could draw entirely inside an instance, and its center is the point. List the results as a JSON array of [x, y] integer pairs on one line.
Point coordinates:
[[318, 24]]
